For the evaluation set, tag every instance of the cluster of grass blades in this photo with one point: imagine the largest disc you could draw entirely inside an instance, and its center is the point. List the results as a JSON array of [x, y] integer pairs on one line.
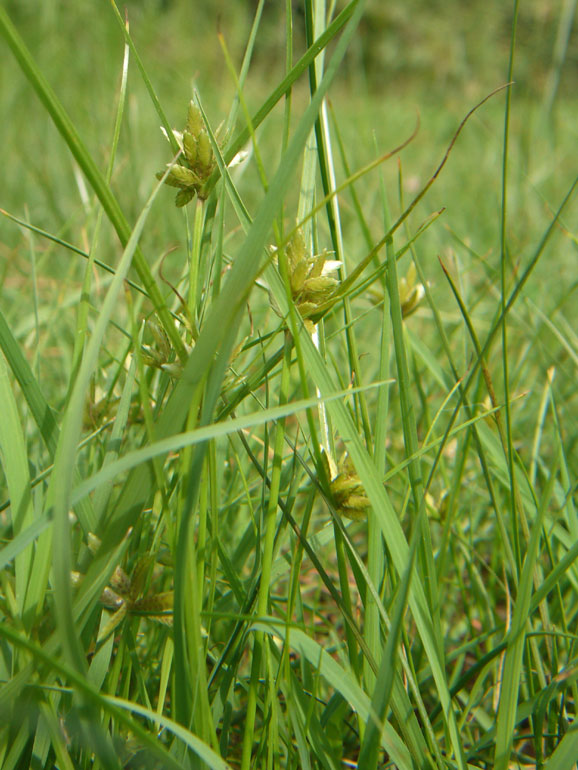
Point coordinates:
[[269, 522]]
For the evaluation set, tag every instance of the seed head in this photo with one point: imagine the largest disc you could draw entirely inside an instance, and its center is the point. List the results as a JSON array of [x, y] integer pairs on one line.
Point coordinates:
[[197, 161], [311, 285]]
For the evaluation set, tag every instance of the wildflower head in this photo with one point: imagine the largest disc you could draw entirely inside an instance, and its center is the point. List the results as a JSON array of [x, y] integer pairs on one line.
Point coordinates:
[[160, 353], [347, 492], [411, 293], [196, 162], [310, 281]]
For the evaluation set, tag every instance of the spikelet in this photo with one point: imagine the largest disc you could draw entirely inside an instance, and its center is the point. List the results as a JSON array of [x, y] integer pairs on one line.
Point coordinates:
[[347, 491], [197, 162], [311, 285]]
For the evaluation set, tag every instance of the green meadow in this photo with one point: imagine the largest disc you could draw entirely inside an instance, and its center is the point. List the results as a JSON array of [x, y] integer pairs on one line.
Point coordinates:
[[288, 404]]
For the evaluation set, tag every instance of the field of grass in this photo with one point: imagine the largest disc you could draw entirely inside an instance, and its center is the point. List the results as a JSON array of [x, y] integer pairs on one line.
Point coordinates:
[[289, 469]]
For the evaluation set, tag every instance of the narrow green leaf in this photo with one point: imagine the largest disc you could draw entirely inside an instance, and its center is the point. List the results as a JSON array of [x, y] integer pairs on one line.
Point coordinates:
[[58, 496], [96, 179], [14, 460], [343, 681]]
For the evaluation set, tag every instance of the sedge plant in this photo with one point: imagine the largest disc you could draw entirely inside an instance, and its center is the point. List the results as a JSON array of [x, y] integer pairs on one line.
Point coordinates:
[[299, 495]]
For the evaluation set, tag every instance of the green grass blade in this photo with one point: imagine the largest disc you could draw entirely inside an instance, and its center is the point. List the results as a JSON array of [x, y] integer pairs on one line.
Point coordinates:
[[118, 707], [564, 756], [41, 411], [385, 515], [342, 680], [368, 755], [69, 247], [510, 682], [62, 475], [286, 84], [97, 181], [146, 80], [246, 268], [203, 434], [14, 461]]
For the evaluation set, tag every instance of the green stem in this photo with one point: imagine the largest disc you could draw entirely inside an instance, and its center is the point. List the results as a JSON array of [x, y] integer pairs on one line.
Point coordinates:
[[267, 561], [411, 445], [194, 266], [94, 176]]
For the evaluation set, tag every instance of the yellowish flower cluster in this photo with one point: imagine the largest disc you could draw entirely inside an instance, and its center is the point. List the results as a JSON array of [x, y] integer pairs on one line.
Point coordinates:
[[196, 162], [310, 281]]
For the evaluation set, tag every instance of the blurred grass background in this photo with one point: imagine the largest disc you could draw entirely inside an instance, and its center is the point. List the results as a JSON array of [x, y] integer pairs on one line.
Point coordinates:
[[435, 60]]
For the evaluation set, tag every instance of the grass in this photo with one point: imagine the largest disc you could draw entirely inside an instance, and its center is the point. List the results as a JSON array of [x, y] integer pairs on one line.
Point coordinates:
[[308, 504]]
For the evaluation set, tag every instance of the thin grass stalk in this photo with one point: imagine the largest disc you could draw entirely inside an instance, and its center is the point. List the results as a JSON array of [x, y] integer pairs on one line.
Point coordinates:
[[123, 24], [344, 602], [246, 114], [515, 510], [109, 203], [286, 84], [294, 603], [194, 266], [559, 54], [83, 308], [539, 429], [259, 653], [34, 282], [425, 558], [464, 401], [144, 390], [351, 188], [376, 561], [190, 687], [288, 67], [329, 185], [384, 683], [343, 571], [247, 57], [57, 739], [411, 441], [565, 479], [208, 484], [513, 659], [275, 722], [14, 462], [217, 327], [315, 22], [103, 493], [70, 247]]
